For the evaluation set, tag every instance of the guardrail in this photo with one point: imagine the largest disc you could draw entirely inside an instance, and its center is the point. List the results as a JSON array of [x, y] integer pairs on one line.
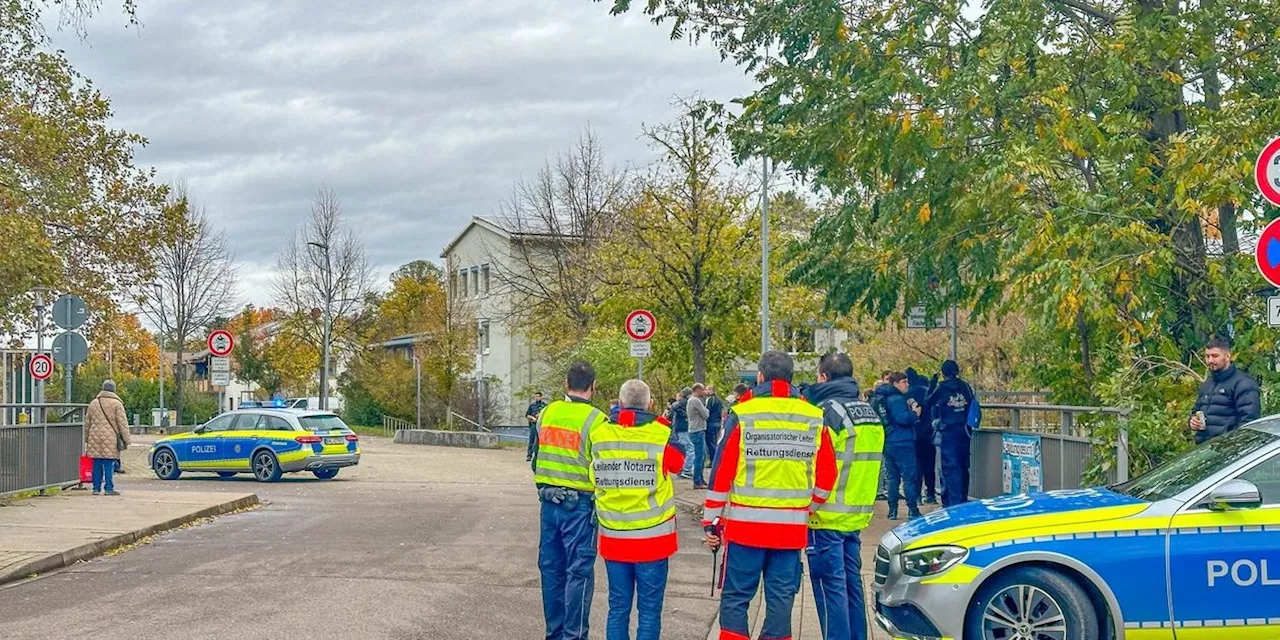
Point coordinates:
[[1067, 446], [391, 425], [43, 453]]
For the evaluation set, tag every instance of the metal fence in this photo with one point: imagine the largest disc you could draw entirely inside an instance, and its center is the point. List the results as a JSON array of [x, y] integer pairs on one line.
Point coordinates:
[[43, 453], [1067, 444]]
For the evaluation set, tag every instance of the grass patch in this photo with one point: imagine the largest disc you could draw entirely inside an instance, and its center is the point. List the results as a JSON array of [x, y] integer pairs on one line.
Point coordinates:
[[368, 431]]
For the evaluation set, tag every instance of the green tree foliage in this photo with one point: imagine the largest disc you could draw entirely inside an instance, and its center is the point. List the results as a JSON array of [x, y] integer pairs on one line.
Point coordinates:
[[76, 214], [1085, 162]]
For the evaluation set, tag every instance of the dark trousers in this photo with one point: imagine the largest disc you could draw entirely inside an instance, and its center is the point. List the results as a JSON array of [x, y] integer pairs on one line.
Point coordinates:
[[835, 568], [900, 458], [644, 583], [533, 440], [566, 559], [926, 460], [955, 466], [713, 442], [744, 567], [103, 474]]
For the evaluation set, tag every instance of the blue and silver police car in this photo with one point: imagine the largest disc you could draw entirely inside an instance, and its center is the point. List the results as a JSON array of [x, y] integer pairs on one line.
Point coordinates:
[[264, 442], [1188, 551]]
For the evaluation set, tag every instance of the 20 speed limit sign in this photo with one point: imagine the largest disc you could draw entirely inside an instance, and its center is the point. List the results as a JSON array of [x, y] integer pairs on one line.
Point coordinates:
[[41, 366], [641, 325], [221, 342]]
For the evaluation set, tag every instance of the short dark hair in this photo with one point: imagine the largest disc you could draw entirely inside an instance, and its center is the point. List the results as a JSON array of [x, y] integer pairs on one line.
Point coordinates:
[[896, 377], [581, 376], [1219, 343], [777, 365], [835, 365], [740, 388], [537, 393]]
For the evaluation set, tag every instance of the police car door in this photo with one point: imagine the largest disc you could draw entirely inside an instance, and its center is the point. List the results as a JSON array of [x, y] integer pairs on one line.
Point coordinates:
[[1224, 564]]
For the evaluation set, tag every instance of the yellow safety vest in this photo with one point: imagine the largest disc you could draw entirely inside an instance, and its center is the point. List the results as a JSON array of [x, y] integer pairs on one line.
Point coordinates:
[[564, 445], [779, 440], [859, 448], [634, 497]]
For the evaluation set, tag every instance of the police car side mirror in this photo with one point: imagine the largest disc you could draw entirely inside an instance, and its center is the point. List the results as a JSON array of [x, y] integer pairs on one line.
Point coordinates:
[[1233, 495], [198, 430]]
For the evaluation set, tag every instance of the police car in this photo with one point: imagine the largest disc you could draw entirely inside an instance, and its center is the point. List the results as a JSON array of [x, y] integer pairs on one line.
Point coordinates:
[[1189, 550], [264, 442]]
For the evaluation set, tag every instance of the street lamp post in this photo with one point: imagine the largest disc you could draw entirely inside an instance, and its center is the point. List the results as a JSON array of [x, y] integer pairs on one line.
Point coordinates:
[[164, 415], [764, 260], [328, 324], [417, 373]]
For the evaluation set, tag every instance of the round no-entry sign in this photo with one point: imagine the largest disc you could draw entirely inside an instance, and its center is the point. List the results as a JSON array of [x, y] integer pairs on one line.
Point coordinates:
[[1267, 253], [41, 366], [641, 325], [221, 342], [1267, 172]]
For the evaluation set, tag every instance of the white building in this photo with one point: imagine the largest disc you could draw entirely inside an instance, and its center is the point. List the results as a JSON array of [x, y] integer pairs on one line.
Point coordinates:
[[472, 262]]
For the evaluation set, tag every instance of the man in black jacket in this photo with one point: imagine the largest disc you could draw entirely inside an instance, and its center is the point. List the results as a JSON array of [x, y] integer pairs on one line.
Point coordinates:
[[531, 414], [926, 453], [949, 407], [1228, 398], [716, 408]]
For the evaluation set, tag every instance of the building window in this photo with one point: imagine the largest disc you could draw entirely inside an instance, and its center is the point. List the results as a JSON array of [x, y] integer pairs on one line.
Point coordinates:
[[475, 282], [462, 283], [484, 336], [484, 278]]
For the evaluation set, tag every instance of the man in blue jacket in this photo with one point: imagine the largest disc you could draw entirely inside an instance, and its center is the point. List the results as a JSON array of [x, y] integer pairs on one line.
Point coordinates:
[[899, 443], [948, 405], [926, 453]]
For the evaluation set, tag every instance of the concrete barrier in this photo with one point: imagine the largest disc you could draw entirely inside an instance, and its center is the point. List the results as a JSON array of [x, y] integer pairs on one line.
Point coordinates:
[[468, 439]]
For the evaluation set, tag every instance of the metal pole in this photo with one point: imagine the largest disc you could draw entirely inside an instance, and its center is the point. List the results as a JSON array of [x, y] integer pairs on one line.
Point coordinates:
[[764, 261], [480, 373], [955, 341], [417, 371], [639, 368], [39, 384], [164, 414], [1122, 449], [328, 329]]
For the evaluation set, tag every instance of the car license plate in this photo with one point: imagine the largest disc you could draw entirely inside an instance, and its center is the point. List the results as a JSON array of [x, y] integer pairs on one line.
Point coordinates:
[[338, 440]]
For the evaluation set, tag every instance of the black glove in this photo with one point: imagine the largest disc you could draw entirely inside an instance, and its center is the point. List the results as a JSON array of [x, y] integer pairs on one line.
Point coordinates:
[[554, 495]]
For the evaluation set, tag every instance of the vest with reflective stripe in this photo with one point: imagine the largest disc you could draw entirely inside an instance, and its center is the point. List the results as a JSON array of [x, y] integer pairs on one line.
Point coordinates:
[[779, 440], [634, 496], [563, 445], [859, 447]]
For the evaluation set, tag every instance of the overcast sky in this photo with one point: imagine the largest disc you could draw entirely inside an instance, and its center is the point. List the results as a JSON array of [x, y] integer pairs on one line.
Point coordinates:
[[419, 114]]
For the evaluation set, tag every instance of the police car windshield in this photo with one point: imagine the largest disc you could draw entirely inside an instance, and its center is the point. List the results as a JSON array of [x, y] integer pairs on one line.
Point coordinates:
[[1188, 469], [322, 423]]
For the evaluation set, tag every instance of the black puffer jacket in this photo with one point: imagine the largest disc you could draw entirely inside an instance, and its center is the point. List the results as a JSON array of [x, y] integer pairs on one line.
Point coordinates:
[[1228, 398]]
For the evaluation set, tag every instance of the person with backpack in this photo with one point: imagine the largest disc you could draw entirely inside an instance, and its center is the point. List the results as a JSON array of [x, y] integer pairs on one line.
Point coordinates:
[[952, 407], [899, 420]]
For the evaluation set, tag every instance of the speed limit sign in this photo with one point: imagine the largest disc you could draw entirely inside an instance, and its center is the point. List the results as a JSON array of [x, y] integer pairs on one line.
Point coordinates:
[[41, 366]]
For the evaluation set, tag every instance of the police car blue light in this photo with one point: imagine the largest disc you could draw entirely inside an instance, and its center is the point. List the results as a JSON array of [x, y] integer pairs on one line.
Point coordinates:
[[1188, 550]]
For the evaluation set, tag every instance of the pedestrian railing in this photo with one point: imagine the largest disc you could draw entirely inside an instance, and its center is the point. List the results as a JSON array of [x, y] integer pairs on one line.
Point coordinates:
[[1068, 444], [391, 425], [44, 452]]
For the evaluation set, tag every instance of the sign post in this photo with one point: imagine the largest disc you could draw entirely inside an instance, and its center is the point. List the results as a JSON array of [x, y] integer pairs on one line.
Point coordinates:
[[220, 345], [640, 325]]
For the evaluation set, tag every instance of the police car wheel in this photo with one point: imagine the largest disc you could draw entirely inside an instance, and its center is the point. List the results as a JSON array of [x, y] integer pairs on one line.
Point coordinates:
[[1031, 603], [325, 474], [266, 468], [165, 465]]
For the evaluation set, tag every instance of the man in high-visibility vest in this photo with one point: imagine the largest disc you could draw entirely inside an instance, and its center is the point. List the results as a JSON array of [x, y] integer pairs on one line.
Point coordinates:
[[774, 463], [635, 505], [835, 545], [562, 473]]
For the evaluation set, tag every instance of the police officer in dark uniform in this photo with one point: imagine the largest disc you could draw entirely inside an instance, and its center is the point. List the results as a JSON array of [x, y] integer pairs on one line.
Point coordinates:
[[949, 407], [531, 414]]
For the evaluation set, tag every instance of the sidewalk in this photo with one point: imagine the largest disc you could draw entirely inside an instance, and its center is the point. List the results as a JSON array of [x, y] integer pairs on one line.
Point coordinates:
[[804, 616], [41, 534]]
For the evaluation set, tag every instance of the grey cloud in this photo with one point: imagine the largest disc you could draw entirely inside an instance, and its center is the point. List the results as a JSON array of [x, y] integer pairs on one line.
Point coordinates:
[[419, 114]]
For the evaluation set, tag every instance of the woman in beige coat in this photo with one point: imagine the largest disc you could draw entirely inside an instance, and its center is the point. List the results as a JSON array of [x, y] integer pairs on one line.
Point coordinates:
[[106, 432]]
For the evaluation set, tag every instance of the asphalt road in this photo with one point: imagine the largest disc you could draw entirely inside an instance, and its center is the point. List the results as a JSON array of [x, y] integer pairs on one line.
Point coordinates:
[[416, 542]]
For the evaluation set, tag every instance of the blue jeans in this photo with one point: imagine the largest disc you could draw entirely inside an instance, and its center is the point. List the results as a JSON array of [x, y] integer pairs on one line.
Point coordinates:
[[686, 445], [955, 465], [699, 459], [648, 580], [567, 558], [743, 567], [533, 440], [835, 568], [900, 458], [104, 473]]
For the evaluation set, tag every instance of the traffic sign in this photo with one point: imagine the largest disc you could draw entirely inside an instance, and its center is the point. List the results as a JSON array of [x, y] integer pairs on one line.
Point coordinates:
[[641, 349], [221, 342], [41, 366], [918, 318], [217, 365], [1267, 172], [70, 348], [1273, 311], [220, 378], [69, 312], [641, 325], [1267, 253]]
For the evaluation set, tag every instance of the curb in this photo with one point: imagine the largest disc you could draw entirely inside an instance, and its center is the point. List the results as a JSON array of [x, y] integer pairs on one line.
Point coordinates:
[[96, 548]]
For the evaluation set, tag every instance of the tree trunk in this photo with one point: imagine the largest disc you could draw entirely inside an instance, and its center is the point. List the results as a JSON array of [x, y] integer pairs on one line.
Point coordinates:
[[178, 372], [1213, 102], [698, 340], [1086, 355]]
